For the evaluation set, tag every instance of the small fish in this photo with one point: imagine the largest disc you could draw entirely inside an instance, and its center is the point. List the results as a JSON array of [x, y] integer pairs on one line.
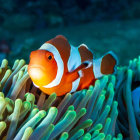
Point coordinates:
[[61, 68]]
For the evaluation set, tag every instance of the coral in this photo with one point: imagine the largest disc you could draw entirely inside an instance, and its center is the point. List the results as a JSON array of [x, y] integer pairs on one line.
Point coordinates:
[[104, 111]]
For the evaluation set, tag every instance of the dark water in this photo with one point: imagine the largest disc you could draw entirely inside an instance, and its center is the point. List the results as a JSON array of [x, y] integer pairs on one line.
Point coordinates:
[[103, 25]]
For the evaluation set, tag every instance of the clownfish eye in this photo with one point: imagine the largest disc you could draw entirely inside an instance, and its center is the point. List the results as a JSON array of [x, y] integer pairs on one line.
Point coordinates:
[[49, 57]]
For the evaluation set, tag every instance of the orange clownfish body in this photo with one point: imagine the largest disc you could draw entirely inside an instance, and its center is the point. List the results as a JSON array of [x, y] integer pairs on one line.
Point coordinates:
[[61, 68]]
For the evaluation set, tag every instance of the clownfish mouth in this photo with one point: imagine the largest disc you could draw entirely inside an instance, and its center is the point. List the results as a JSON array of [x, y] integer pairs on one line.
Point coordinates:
[[31, 67], [37, 74]]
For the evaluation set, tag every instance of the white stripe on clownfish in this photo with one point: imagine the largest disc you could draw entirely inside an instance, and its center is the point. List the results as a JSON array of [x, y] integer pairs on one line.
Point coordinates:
[[49, 47], [73, 62], [97, 68]]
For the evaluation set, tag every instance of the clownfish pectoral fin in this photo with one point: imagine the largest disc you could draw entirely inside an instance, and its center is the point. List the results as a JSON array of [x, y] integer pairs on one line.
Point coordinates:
[[84, 65], [77, 73], [105, 65], [72, 76]]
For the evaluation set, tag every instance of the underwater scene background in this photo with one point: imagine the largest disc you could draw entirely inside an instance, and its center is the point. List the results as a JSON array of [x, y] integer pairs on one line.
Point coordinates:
[[108, 110], [101, 24]]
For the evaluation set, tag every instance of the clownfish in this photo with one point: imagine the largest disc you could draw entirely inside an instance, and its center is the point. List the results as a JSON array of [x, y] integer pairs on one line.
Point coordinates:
[[60, 67]]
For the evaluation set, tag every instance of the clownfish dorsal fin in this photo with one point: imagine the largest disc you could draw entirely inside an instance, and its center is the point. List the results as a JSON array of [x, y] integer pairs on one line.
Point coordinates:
[[105, 65], [58, 40], [77, 73], [84, 45], [61, 37]]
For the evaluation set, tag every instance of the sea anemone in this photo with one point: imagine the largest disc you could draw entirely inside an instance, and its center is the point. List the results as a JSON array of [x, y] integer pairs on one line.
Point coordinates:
[[128, 97], [103, 111]]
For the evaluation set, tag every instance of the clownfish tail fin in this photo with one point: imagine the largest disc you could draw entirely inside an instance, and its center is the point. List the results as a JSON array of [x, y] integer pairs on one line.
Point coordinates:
[[105, 65]]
